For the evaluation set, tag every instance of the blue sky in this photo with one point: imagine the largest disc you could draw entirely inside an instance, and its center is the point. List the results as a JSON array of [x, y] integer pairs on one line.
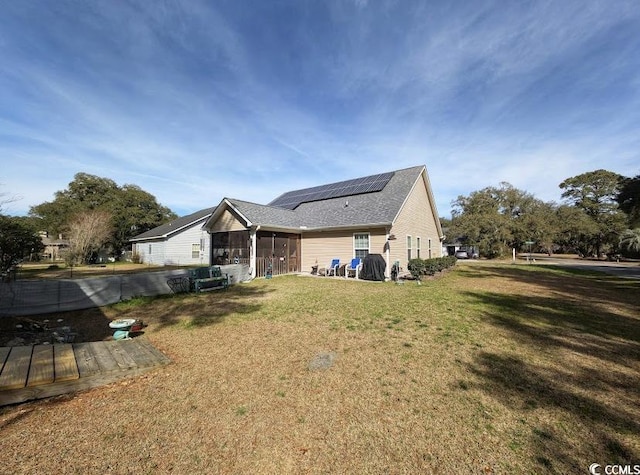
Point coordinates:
[[197, 100]]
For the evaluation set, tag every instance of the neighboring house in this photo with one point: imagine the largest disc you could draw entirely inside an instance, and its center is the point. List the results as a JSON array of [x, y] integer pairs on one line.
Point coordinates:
[[392, 214], [54, 249], [180, 242], [450, 246]]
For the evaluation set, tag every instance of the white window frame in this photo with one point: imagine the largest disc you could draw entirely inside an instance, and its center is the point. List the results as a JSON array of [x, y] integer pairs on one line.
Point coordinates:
[[418, 246], [429, 248], [196, 247], [409, 245], [355, 249]]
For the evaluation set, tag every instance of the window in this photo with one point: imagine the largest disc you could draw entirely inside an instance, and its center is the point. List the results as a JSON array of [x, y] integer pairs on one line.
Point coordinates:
[[195, 251], [361, 245], [429, 248], [149, 249], [408, 248], [418, 248]]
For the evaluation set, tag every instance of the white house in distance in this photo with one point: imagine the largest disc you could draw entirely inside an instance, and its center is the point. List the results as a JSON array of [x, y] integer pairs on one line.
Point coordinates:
[[180, 242]]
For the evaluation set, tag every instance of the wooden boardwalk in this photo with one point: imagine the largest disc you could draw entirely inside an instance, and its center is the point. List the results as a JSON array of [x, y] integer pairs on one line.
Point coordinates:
[[40, 371]]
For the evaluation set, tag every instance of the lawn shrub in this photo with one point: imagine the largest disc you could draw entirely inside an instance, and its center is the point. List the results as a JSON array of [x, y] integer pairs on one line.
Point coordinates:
[[421, 267]]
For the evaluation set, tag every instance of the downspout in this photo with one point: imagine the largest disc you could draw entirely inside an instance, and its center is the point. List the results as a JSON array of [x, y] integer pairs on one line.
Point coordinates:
[[387, 246], [253, 257]]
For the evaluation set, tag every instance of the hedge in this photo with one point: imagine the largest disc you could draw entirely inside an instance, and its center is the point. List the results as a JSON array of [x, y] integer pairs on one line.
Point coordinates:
[[420, 267]]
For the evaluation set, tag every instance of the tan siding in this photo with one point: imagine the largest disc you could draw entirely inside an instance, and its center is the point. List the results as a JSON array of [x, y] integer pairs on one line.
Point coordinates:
[[227, 222], [416, 219], [321, 247]]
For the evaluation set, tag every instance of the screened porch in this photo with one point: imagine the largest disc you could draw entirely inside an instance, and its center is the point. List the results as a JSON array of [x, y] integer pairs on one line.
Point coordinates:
[[279, 252]]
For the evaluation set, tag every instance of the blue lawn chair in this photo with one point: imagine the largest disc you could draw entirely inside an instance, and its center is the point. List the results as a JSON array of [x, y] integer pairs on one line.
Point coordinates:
[[333, 268], [354, 266]]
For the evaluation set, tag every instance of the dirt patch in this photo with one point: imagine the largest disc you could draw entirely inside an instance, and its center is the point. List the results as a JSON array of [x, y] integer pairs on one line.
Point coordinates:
[[322, 361]]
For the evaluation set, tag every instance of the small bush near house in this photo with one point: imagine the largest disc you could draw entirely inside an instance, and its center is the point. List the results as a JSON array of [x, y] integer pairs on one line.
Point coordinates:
[[421, 267]]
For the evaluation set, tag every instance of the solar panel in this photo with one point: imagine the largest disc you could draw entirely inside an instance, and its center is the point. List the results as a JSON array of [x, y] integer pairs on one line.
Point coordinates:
[[368, 184]]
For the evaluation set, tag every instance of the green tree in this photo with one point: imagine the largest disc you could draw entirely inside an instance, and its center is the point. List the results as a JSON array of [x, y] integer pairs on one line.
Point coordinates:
[[574, 230], [477, 221], [498, 218], [135, 211], [630, 241], [629, 200], [18, 240], [595, 193], [132, 210]]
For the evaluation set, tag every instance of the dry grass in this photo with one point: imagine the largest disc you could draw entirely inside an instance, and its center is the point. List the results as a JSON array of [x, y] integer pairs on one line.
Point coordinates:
[[490, 369]]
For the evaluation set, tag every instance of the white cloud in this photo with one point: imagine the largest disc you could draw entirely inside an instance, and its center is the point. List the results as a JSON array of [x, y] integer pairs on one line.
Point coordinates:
[[194, 101]]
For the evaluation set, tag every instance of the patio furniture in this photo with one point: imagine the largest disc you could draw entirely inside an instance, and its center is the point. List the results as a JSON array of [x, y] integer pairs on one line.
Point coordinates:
[[353, 267], [333, 268], [208, 278]]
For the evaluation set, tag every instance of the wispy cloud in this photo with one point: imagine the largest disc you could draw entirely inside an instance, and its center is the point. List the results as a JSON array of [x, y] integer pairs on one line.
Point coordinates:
[[194, 100]]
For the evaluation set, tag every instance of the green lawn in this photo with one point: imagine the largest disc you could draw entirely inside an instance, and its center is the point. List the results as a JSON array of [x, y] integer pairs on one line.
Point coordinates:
[[492, 368]]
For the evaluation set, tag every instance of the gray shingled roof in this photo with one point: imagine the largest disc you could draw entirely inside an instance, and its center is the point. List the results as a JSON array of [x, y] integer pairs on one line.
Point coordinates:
[[176, 225], [367, 209], [266, 215]]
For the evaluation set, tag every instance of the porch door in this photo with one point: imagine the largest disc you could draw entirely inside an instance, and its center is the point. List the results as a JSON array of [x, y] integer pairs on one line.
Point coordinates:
[[281, 250], [294, 253]]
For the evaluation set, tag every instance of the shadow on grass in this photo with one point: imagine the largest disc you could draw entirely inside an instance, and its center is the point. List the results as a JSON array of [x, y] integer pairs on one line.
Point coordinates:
[[525, 387], [195, 309], [76, 326], [572, 282], [584, 314]]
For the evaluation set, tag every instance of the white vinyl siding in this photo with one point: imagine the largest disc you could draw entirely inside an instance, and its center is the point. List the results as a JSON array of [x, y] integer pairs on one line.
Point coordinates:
[[189, 246], [415, 219]]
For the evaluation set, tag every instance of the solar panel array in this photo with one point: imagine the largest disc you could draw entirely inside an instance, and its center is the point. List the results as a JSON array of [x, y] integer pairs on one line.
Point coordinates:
[[368, 184]]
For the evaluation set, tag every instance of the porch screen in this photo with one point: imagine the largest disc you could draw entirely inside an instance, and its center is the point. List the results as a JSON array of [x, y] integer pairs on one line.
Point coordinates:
[[230, 248]]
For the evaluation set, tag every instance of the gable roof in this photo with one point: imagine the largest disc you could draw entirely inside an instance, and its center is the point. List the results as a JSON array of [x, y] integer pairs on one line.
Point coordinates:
[[378, 208], [177, 225]]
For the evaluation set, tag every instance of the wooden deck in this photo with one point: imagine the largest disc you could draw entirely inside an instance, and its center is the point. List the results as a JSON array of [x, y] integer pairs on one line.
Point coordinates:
[[40, 371]]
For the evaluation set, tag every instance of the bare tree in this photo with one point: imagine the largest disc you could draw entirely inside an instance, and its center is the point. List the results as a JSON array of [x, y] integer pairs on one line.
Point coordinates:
[[87, 231]]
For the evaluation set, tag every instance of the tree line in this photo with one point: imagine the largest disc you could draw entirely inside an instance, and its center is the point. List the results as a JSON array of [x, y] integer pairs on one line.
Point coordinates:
[[600, 216], [91, 214]]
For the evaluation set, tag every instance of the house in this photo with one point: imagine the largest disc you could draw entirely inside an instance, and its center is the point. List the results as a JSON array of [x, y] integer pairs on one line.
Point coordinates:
[[54, 249], [392, 214], [180, 242]]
